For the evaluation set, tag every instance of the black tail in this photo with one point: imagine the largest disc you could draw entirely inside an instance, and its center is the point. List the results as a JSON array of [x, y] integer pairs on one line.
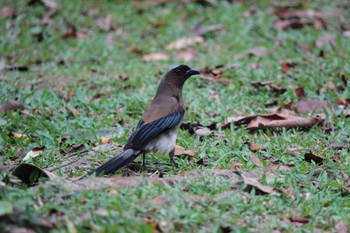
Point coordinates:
[[124, 158]]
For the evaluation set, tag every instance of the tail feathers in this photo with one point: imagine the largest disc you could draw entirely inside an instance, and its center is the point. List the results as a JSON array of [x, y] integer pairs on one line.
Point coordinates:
[[121, 160]]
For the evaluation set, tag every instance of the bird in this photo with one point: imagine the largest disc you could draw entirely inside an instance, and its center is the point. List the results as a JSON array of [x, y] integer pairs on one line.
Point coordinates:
[[158, 127]]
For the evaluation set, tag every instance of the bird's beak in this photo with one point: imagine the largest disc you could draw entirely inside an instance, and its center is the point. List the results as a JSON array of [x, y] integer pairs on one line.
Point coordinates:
[[192, 72]]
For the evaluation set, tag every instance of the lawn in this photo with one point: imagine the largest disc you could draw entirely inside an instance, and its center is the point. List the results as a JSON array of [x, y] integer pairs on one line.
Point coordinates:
[[266, 127]]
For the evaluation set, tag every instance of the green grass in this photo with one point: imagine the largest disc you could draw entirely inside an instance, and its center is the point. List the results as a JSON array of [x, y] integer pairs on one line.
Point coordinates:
[[86, 68]]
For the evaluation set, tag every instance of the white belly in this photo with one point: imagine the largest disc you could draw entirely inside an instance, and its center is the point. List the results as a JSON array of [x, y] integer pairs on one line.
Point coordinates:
[[164, 143]]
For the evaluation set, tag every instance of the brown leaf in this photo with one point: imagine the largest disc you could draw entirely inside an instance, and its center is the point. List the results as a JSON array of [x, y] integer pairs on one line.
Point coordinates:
[[179, 150], [254, 183], [312, 105], [326, 39], [73, 33], [300, 92], [254, 147], [69, 96], [105, 22], [287, 109], [199, 30], [52, 7], [155, 57], [105, 140], [311, 157], [270, 121], [203, 162], [73, 111], [288, 24], [341, 227], [256, 160], [96, 96], [300, 219], [35, 152], [7, 12], [269, 85], [341, 101], [123, 77], [235, 165], [285, 66], [339, 145], [30, 173], [185, 42], [10, 105], [257, 51], [186, 55], [214, 76], [19, 135], [202, 132], [275, 165], [17, 67]]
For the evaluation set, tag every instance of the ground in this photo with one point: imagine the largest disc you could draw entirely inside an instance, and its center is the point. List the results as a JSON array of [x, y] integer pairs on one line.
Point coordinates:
[[77, 75]]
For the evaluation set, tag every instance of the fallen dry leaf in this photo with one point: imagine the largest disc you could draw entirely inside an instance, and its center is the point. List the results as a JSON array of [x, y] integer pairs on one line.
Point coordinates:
[[312, 105], [269, 85], [10, 105], [326, 39], [286, 66], [72, 32], [186, 55], [311, 157], [105, 140], [18, 135], [7, 12], [70, 94], [73, 111], [179, 150], [341, 227], [235, 165], [33, 153], [105, 22], [123, 77], [341, 101], [254, 147], [257, 51], [300, 219], [270, 121], [297, 19], [25, 173], [155, 57], [275, 165], [339, 145], [202, 132], [256, 160], [254, 183], [288, 24], [199, 30], [300, 92], [185, 42], [203, 162]]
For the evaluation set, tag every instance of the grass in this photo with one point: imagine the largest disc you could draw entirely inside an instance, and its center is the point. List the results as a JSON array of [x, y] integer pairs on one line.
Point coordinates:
[[58, 67]]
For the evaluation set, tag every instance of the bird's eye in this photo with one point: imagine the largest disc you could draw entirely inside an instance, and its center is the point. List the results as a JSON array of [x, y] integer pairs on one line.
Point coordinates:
[[179, 71]]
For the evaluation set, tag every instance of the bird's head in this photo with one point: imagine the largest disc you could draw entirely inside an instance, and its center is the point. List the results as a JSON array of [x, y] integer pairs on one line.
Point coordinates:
[[181, 72], [174, 79]]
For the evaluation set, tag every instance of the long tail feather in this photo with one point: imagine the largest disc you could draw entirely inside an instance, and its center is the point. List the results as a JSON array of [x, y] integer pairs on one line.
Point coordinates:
[[115, 163]]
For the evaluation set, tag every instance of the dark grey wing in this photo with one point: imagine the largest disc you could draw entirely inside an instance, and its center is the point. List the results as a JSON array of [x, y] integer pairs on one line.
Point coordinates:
[[145, 133], [139, 124]]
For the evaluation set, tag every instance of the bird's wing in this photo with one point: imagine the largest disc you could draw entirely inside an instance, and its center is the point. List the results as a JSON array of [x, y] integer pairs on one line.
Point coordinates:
[[139, 124], [146, 132]]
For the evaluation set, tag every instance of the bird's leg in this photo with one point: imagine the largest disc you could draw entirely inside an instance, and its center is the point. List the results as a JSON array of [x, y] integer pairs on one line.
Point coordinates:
[[144, 160], [171, 156]]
